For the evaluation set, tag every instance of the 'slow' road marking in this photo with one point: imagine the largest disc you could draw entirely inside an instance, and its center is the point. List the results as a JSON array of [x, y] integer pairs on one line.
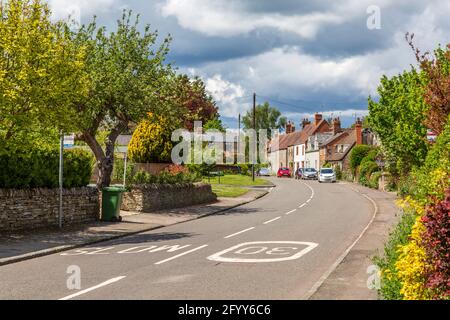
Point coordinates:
[[292, 211], [79, 293], [235, 234], [181, 254], [270, 221]]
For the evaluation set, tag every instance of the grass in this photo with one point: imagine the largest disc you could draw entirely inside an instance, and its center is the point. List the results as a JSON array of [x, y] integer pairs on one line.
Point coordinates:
[[237, 180], [228, 191]]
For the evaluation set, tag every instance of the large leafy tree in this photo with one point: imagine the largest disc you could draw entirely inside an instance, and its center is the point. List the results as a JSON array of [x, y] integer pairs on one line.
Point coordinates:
[[192, 97], [41, 71], [127, 78], [398, 118], [267, 117]]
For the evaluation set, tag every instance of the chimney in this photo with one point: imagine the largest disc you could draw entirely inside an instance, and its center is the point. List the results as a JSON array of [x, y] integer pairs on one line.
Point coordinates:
[[288, 127], [336, 126], [305, 122], [358, 131], [317, 118]]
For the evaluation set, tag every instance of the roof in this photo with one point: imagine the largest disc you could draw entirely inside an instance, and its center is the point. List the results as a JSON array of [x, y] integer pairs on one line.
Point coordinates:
[[285, 141], [349, 140]]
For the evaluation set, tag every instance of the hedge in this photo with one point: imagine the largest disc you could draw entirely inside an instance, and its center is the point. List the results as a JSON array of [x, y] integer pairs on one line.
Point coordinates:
[[39, 168]]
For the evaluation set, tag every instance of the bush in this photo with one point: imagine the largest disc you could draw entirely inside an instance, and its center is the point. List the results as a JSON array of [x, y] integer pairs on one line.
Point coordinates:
[[436, 240], [165, 177], [375, 179], [390, 281], [338, 172], [365, 171], [357, 155], [39, 168], [151, 141], [117, 175]]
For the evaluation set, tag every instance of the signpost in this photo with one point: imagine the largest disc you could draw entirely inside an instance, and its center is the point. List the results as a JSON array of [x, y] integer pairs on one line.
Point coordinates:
[[66, 142]]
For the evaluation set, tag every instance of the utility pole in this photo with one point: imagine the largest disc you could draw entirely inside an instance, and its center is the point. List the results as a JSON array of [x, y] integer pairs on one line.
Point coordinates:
[[254, 128], [239, 140], [61, 160]]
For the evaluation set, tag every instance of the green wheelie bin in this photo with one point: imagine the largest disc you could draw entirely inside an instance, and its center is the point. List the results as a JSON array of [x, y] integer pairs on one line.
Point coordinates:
[[111, 203]]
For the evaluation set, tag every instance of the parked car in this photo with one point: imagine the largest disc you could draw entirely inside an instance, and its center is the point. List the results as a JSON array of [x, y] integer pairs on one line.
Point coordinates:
[[309, 174], [327, 175], [263, 172], [299, 174], [284, 172]]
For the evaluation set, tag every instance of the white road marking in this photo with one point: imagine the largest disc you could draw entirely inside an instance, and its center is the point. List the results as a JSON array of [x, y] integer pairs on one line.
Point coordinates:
[[292, 211], [322, 279], [270, 221], [181, 254], [79, 293], [308, 201], [302, 205], [235, 234], [267, 250]]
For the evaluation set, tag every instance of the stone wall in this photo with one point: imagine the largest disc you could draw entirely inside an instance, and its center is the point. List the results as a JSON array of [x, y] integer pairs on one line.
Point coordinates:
[[152, 197], [38, 208]]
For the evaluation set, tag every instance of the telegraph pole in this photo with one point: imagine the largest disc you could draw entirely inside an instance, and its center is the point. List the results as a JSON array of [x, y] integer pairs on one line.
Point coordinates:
[[254, 128]]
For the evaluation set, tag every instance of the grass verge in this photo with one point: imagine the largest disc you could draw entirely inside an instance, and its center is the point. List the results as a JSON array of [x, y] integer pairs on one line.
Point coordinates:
[[228, 192], [238, 180]]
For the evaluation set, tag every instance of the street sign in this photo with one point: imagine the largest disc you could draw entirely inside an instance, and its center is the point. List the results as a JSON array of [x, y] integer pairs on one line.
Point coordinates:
[[431, 135], [69, 141]]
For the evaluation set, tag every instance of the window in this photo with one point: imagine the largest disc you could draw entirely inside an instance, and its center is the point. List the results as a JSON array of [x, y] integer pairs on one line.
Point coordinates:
[[296, 150]]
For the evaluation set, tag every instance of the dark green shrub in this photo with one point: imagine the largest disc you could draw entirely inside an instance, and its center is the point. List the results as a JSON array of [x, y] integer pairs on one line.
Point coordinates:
[[365, 171], [39, 168], [357, 155], [374, 180]]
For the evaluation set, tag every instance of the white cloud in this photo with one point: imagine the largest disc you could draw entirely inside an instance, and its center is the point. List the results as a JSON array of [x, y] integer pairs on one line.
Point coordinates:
[[222, 18], [62, 9], [228, 96]]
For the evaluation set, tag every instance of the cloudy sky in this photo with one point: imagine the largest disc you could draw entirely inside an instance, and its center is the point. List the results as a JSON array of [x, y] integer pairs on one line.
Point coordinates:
[[301, 56]]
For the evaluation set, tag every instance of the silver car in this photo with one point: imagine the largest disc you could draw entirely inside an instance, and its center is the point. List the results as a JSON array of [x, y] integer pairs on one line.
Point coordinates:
[[263, 172], [327, 175]]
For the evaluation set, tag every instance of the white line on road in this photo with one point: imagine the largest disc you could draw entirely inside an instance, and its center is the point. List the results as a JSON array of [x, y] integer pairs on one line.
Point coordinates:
[[270, 221], [292, 211], [181, 254], [79, 293], [235, 234], [302, 205]]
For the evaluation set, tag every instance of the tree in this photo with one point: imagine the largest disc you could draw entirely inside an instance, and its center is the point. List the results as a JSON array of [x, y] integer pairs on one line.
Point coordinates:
[[40, 73], [398, 119], [267, 117], [191, 95], [437, 91], [127, 78]]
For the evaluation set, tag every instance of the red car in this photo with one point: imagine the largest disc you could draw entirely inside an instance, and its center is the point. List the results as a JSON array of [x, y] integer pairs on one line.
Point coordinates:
[[284, 172]]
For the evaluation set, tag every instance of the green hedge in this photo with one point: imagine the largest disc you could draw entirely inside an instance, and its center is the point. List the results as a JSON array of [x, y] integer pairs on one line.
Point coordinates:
[[39, 168]]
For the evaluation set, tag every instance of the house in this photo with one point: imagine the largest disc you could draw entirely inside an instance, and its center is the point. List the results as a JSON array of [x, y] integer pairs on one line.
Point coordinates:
[[313, 145], [289, 150]]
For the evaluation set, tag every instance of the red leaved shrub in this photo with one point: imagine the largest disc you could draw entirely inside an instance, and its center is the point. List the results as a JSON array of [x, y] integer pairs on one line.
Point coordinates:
[[175, 169], [436, 240]]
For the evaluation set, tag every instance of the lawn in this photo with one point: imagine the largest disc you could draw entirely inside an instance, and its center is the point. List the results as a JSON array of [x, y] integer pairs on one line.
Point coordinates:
[[228, 191], [237, 180]]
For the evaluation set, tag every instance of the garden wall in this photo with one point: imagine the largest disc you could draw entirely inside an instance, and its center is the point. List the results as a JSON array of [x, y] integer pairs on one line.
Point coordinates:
[[38, 208], [149, 198]]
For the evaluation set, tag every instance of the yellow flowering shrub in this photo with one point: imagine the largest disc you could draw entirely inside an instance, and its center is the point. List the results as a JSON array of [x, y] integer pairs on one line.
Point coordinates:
[[411, 266], [151, 141]]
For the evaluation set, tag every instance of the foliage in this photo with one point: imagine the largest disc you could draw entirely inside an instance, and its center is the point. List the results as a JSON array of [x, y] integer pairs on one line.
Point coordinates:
[[196, 104], [214, 124], [165, 177], [339, 174], [398, 119], [39, 168], [151, 141], [437, 91], [126, 77], [412, 265], [375, 179], [390, 281], [267, 117], [40, 74], [119, 164], [237, 180], [436, 240], [367, 167], [357, 154]]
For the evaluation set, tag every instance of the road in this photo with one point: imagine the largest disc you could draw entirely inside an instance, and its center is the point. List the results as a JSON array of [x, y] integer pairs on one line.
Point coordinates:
[[279, 247]]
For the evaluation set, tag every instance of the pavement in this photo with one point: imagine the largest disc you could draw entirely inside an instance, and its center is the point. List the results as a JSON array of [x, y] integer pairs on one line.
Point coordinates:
[[303, 240], [21, 246]]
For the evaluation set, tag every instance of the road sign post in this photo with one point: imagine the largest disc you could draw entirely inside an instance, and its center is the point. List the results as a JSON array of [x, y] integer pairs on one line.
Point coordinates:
[[61, 160]]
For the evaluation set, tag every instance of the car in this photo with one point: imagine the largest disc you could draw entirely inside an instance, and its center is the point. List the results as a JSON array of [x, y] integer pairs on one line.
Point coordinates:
[[263, 172], [284, 172], [327, 175], [309, 174], [299, 173]]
